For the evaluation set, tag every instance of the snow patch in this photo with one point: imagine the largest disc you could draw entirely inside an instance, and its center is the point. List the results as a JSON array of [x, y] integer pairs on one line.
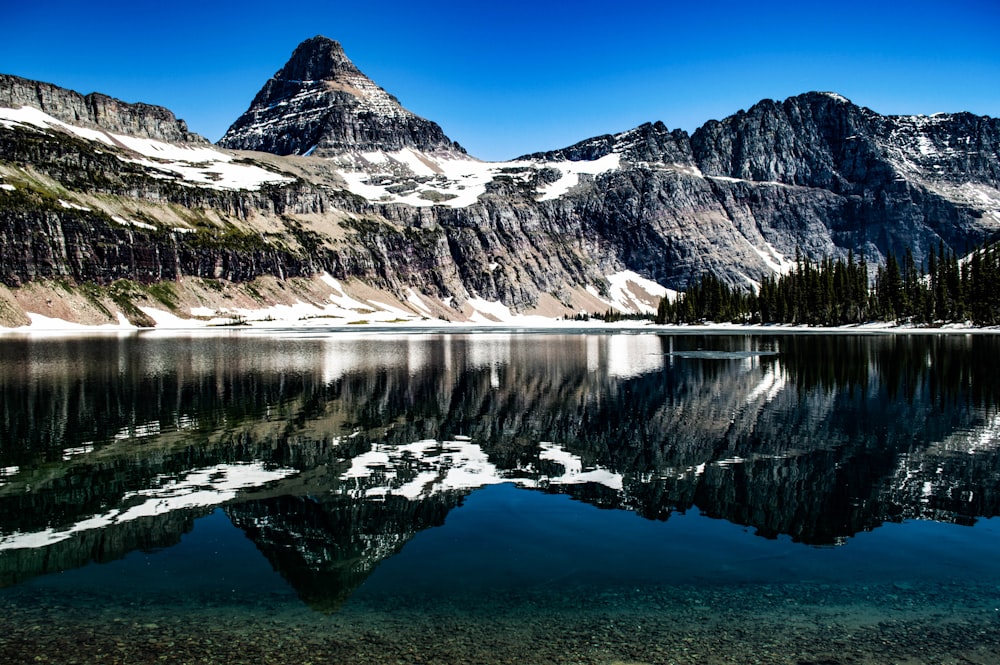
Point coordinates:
[[73, 206], [443, 466], [774, 259], [424, 179], [835, 96], [385, 307], [131, 222], [925, 146], [631, 292], [414, 299], [489, 312], [574, 472], [343, 300], [418, 179], [42, 323], [571, 172], [432, 467]]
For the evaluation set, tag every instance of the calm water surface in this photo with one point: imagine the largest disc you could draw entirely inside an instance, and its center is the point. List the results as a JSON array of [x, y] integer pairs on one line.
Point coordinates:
[[582, 498]]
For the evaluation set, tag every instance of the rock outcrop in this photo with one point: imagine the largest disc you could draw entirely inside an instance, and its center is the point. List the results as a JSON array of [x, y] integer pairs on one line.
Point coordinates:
[[95, 110]]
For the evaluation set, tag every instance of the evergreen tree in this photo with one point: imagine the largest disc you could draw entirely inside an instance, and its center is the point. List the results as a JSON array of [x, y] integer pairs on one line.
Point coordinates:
[[837, 293]]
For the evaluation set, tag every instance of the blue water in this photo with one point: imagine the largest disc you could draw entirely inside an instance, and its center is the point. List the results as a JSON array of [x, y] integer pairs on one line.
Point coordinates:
[[214, 562], [508, 539]]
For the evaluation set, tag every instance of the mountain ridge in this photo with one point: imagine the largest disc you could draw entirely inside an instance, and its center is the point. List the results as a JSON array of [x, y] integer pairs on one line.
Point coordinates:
[[553, 232], [96, 110]]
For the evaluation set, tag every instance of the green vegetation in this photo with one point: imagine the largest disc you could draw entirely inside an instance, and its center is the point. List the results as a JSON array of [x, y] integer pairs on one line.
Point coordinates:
[[229, 237], [93, 293], [367, 225], [436, 196], [234, 320], [122, 292], [610, 316], [164, 292], [310, 241], [212, 284], [837, 293]]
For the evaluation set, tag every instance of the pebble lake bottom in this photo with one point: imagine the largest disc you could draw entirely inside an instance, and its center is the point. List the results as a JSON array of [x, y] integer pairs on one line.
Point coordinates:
[[517, 576]]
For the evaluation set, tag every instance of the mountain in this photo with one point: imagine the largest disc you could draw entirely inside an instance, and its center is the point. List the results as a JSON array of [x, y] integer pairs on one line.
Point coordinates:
[[320, 104], [329, 199]]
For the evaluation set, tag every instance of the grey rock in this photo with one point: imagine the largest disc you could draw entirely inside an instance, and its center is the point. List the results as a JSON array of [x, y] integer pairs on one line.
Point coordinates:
[[95, 110], [650, 142], [321, 104]]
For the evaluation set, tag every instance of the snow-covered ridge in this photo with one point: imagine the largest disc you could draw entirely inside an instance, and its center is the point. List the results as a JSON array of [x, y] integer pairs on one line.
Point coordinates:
[[197, 165], [418, 178], [836, 97], [922, 148]]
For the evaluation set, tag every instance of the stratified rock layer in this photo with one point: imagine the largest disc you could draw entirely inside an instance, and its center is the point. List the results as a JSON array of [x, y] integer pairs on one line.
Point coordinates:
[[95, 110]]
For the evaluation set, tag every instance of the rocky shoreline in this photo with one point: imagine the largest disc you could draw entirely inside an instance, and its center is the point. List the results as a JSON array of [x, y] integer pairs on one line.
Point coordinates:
[[796, 624]]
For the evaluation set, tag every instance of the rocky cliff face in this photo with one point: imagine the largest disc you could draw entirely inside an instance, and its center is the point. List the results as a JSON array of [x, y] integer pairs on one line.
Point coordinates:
[[95, 110], [396, 206], [899, 182], [320, 104]]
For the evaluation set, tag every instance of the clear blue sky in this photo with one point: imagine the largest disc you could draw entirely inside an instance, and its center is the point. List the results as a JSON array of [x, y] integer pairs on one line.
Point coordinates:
[[510, 77]]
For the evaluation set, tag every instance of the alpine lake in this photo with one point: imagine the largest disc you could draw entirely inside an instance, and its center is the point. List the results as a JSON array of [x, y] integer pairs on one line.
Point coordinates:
[[385, 496]]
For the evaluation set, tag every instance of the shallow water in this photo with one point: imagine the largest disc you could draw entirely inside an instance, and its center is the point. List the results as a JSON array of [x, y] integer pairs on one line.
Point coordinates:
[[500, 498]]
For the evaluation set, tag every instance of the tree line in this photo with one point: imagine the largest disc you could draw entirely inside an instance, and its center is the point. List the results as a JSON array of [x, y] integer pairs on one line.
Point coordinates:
[[834, 293]]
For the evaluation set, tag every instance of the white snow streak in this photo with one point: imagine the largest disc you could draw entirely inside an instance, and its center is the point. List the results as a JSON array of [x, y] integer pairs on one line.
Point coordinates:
[[195, 164], [424, 179]]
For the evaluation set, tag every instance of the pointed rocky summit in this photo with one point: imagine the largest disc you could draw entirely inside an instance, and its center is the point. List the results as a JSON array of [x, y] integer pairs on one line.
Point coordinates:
[[320, 104]]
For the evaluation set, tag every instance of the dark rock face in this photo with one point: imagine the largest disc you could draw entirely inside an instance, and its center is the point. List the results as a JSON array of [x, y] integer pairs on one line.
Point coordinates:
[[43, 239], [814, 172], [327, 546], [321, 104], [822, 140], [897, 179], [650, 142], [95, 110]]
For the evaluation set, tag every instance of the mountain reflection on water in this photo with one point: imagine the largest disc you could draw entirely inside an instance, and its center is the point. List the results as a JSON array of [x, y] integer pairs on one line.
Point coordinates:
[[331, 451]]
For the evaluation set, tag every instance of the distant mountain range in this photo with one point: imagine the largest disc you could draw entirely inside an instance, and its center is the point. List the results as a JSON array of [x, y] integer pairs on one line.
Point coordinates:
[[329, 199]]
